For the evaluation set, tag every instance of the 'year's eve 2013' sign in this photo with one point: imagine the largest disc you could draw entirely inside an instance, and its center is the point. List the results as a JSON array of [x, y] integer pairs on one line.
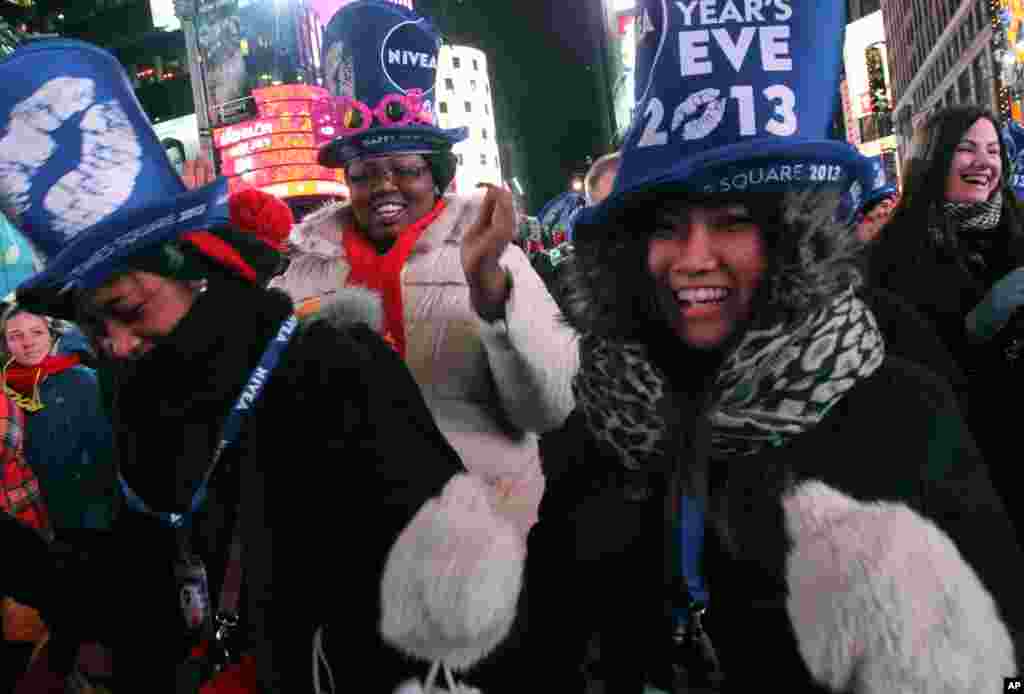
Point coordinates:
[[723, 70]]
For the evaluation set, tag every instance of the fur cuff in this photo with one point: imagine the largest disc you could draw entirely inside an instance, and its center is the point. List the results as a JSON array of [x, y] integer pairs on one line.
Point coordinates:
[[453, 578], [881, 601], [350, 305]]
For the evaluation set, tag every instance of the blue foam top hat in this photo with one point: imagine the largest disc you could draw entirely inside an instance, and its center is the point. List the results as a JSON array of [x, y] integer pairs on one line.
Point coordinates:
[[82, 173], [381, 64], [881, 187], [735, 97], [1013, 140]]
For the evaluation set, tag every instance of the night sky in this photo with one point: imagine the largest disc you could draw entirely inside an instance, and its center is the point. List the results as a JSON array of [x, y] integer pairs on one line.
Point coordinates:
[[546, 82]]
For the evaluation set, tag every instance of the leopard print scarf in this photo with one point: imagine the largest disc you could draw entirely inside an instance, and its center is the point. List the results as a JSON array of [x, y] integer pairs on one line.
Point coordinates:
[[776, 384]]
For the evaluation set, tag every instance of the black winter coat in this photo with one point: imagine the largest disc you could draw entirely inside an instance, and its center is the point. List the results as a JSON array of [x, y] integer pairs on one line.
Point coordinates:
[[944, 287], [896, 436], [338, 456]]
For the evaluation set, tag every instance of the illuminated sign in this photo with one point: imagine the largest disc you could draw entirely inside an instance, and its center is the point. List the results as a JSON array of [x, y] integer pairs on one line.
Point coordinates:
[[265, 160], [298, 188], [260, 127], [278, 109], [270, 142], [876, 147], [277, 152], [294, 172], [860, 35], [290, 92]]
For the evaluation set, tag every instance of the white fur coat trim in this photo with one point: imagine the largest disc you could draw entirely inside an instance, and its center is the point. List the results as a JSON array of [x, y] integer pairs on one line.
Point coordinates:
[[882, 602], [453, 578]]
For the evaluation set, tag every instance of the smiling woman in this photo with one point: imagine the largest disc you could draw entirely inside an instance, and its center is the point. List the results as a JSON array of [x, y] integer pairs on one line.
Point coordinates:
[[708, 263], [954, 249], [68, 442]]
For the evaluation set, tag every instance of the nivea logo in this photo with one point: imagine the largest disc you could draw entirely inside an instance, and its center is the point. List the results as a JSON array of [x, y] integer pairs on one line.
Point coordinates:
[[408, 56], [399, 57]]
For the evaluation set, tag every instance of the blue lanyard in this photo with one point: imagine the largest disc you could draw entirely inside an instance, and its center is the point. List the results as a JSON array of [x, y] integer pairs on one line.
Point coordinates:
[[232, 428]]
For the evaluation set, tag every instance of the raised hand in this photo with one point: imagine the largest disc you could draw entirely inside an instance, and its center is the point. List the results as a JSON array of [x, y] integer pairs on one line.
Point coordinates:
[[482, 247]]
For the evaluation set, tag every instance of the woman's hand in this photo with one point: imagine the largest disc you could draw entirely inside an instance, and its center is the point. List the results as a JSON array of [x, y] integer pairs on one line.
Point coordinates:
[[482, 247]]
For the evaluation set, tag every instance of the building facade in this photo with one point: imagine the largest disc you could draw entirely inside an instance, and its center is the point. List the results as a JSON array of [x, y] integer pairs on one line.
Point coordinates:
[[464, 99], [940, 54]]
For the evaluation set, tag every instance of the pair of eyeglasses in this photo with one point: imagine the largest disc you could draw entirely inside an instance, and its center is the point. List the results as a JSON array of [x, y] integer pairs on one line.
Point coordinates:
[[355, 117], [404, 174]]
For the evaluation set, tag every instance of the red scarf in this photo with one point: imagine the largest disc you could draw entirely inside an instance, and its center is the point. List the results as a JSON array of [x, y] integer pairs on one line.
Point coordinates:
[[24, 379], [383, 273]]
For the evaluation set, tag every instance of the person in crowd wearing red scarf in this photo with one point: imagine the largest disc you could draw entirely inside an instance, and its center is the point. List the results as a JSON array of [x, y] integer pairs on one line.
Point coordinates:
[[68, 441], [463, 306]]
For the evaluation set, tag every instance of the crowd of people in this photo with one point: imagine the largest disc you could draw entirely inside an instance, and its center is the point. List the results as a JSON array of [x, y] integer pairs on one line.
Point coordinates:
[[733, 439]]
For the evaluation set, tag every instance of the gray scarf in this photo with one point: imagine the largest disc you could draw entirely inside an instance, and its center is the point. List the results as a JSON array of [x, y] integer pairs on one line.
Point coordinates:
[[775, 385], [976, 216]]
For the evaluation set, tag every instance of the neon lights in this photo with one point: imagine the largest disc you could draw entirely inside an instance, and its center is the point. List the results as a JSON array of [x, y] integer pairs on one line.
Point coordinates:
[[259, 127], [278, 109], [270, 142], [292, 172], [277, 152], [265, 160], [290, 92]]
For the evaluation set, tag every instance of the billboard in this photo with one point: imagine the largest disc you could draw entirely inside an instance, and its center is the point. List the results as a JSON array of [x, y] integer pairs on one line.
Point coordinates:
[[164, 17], [624, 91], [180, 138], [219, 36], [277, 151], [327, 8], [860, 35]]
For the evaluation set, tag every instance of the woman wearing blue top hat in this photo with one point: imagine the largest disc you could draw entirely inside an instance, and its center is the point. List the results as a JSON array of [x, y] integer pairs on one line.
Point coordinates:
[[290, 505], [853, 539], [954, 249], [879, 202], [464, 308]]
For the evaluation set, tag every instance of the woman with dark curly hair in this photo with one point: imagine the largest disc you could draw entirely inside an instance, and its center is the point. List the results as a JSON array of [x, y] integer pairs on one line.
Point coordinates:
[[852, 540], [954, 250]]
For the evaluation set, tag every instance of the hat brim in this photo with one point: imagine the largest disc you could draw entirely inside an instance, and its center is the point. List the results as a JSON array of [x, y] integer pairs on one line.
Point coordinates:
[[96, 253], [775, 166], [389, 140], [876, 196]]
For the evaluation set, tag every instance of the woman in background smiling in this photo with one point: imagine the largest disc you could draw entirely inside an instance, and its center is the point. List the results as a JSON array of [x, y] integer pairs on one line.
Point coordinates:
[[954, 249]]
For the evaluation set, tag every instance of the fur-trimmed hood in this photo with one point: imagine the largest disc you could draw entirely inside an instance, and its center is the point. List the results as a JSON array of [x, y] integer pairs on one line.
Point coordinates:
[[812, 257]]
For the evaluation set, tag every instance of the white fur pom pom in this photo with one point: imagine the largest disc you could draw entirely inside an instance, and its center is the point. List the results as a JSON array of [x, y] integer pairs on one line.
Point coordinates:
[[881, 601], [453, 578]]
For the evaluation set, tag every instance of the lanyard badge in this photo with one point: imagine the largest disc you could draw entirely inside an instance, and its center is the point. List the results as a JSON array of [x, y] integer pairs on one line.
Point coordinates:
[[193, 591]]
